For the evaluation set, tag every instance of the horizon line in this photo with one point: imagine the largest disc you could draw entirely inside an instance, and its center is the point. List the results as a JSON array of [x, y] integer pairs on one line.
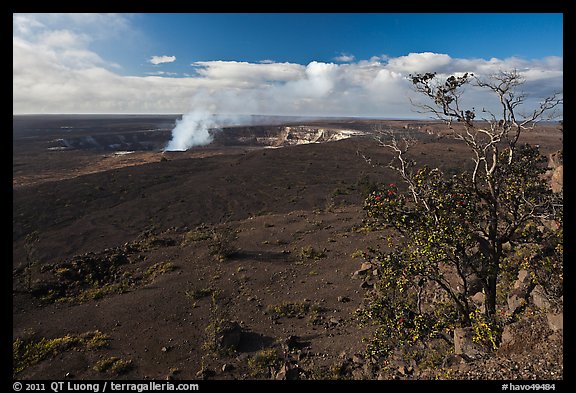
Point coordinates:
[[304, 117]]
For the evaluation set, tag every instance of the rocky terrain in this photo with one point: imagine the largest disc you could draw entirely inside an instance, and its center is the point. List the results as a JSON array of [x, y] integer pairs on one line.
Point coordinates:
[[229, 261]]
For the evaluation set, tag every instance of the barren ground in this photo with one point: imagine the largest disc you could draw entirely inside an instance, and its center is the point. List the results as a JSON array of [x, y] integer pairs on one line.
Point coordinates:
[[296, 212]]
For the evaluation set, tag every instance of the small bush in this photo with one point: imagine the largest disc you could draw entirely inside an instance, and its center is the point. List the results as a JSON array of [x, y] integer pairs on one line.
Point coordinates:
[[310, 252], [289, 309], [158, 269], [201, 233], [94, 340], [113, 364], [222, 244], [222, 335], [27, 352], [96, 293], [264, 362], [366, 186], [199, 293], [150, 241]]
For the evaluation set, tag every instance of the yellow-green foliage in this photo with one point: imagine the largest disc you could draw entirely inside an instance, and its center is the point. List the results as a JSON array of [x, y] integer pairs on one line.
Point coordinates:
[[97, 290], [149, 241], [485, 332], [196, 235], [222, 245], [158, 269], [113, 364], [94, 340], [309, 252], [213, 331], [27, 352], [264, 360], [199, 293], [96, 293], [289, 309]]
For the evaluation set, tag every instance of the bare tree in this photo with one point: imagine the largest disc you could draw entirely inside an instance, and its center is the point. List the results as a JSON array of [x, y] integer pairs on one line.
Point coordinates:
[[496, 135], [504, 186]]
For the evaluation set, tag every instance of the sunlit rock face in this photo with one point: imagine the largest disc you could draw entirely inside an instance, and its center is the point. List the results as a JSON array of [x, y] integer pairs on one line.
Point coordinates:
[[278, 136]]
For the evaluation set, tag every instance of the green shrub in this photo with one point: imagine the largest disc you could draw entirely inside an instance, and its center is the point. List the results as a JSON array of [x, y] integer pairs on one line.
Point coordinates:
[[264, 362], [310, 252], [222, 243], [27, 352], [201, 233], [114, 364], [289, 309], [158, 269]]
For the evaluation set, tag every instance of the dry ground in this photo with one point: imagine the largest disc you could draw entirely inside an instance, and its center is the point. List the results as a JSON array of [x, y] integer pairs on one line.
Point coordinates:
[[150, 217]]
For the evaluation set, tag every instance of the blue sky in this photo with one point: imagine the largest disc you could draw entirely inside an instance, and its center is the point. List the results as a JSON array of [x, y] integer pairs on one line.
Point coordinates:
[[155, 63], [303, 38]]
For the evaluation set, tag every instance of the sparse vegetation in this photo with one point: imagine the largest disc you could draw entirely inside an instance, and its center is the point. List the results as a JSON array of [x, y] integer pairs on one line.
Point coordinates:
[[281, 308], [461, 231], [221, 334], [197, 294], [30, 246], [339, 191], [114, 364], [291, 309], [148, 240], [222, 243], [366, 186], [264, 362], [310, 252], [213, 330], [92, 293], [158, 269], [325, 373], [202, 232], [85, 277], [29, 351], [92, 276]]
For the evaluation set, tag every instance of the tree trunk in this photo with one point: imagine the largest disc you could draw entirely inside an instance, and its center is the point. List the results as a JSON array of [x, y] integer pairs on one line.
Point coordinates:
[[493, 253], [490, 301]]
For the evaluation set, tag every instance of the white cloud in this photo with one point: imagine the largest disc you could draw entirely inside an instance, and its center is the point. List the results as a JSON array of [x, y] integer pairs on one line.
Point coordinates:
[[160, 73], [62, 39], [96, 26], [244, 72], [420, 63], [344, 58], [162, 59], [25, 24], [56, 71]]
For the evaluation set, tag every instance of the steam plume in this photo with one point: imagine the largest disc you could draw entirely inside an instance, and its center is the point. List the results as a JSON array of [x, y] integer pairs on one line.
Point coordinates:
[[192, 130]]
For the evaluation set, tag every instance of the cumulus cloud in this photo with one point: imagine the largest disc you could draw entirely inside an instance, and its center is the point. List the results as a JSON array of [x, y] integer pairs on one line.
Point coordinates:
[[55, 70], [162, 59], [62, 39], [244, 72], [420, 63], [344, 58]]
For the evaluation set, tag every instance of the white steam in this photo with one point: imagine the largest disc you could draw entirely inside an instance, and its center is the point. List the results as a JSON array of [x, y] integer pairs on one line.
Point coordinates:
[[371, 88], [192, 130], [198, 128]]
